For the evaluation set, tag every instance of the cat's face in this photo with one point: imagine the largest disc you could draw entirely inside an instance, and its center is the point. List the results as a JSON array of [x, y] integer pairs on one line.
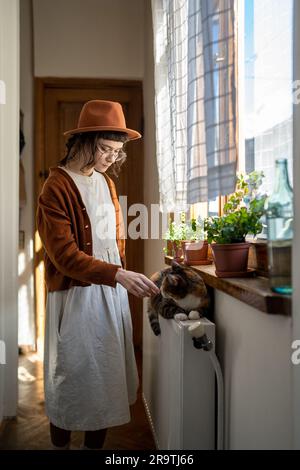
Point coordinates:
[[185, 287]]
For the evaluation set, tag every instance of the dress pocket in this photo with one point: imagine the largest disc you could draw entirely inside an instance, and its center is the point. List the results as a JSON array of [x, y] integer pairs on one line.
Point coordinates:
[[61, 315]]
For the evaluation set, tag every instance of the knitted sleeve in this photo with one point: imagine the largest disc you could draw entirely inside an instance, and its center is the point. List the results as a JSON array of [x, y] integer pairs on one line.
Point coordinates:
[[54, 227]]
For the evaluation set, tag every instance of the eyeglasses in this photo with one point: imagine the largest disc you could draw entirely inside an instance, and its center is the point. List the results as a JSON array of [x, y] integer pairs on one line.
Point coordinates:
[[115, 154]]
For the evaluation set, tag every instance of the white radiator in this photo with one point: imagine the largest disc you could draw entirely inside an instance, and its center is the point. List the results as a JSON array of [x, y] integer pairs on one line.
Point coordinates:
[[178, 386]]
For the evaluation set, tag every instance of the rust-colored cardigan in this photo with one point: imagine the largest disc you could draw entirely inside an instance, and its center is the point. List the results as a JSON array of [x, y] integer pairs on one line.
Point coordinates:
[[65, 230]]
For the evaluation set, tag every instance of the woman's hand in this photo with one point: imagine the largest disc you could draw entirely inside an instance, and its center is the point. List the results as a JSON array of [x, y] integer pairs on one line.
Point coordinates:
[[136, 283]]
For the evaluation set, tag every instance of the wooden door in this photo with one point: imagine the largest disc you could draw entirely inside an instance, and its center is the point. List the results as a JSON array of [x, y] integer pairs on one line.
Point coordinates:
[[58, 104]]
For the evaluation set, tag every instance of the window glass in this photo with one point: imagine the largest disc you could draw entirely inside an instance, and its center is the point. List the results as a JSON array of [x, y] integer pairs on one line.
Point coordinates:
[[265, 84]]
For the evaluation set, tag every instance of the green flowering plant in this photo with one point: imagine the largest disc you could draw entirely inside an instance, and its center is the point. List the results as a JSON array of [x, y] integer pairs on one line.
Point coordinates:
[[195, 231], [176, 232], [191, 230], [242, 212]]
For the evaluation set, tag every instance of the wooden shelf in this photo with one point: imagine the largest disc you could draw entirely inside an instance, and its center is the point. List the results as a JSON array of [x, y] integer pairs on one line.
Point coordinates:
[[253, 291]]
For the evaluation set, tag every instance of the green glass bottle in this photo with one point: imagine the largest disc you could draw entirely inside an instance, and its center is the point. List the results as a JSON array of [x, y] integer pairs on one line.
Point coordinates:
[[279, 216]]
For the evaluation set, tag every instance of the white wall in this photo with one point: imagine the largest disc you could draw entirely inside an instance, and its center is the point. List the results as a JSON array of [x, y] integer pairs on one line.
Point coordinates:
[[255, 354], [88, 38], [296, 251], [26, 334], [9, 195]]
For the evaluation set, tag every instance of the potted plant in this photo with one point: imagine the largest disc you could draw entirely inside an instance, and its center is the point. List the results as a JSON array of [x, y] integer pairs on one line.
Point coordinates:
[[242, 214], [175, 236], [196, 248]]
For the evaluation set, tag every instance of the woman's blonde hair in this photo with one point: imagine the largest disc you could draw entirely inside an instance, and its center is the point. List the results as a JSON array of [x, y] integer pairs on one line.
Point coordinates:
[[86, 144]]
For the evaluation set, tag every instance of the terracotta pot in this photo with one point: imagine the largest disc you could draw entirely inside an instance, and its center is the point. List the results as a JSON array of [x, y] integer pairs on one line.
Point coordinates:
[[231, 258], [258, 257], [177, 251], [169, 248], [194, 255], [183, 242]]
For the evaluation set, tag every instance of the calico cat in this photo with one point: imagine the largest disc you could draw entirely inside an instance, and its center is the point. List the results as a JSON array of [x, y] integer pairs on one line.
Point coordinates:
[[182, 295]]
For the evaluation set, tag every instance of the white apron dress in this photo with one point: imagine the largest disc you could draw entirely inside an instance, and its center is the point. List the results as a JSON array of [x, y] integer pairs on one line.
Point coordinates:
[[90, 373]]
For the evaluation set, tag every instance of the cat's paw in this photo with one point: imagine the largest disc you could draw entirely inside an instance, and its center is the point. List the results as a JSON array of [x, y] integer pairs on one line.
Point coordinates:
[[180, 316], [156, 329], [194, 315]]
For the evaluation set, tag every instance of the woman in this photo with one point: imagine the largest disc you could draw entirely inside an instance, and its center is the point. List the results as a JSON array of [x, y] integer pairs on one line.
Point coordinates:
[[90, 372]]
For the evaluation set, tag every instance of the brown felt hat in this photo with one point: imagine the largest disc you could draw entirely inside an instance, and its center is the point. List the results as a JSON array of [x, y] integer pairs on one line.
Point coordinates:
[[99, 115]]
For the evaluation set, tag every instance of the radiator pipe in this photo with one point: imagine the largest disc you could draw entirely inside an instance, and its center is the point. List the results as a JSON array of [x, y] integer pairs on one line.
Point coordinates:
[[201, 341]]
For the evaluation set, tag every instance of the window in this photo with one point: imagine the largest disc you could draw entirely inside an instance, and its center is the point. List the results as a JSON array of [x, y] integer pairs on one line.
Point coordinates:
[[265, 71], [219, 24]]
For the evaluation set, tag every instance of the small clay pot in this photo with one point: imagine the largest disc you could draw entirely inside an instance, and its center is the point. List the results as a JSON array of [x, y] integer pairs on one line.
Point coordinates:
[[230, 258], [169, 248], [177, 251], [196, 254], [258, 257]]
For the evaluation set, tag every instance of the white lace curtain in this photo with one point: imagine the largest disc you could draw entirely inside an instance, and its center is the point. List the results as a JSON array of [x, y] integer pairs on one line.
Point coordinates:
[[195, 100]]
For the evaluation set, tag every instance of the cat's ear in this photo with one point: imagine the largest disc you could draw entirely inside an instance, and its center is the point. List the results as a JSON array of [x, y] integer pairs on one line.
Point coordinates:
[[176, 266]]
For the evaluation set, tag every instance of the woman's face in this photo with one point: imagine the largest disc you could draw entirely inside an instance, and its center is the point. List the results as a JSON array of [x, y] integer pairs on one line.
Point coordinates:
[[107, 154]]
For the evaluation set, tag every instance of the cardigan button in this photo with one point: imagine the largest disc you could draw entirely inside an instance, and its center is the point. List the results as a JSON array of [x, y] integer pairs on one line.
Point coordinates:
[[88, 243], [83, 208], [86, 226]]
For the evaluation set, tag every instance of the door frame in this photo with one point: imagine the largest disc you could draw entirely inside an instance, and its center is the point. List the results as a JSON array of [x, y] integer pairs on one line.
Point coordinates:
[[9, 205], [40, 86]]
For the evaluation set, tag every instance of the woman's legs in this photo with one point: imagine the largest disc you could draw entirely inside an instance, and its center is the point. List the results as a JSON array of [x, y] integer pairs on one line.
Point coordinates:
[[94, 439], [60, 438]]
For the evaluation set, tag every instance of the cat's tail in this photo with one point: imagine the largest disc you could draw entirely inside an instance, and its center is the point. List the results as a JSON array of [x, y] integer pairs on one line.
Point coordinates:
[[154, 322]]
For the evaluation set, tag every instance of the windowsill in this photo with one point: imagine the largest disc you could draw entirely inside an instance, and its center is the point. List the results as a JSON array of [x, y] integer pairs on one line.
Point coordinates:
[[252, 291]]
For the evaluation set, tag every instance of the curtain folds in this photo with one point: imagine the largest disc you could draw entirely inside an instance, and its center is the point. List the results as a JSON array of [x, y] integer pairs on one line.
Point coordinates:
[[195, 100]]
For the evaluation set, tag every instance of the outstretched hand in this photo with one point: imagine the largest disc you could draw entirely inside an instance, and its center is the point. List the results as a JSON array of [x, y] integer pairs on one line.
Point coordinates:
[[136, 283]]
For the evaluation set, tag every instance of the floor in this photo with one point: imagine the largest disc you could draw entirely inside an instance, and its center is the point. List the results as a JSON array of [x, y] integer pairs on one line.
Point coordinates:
[[30, 430]]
